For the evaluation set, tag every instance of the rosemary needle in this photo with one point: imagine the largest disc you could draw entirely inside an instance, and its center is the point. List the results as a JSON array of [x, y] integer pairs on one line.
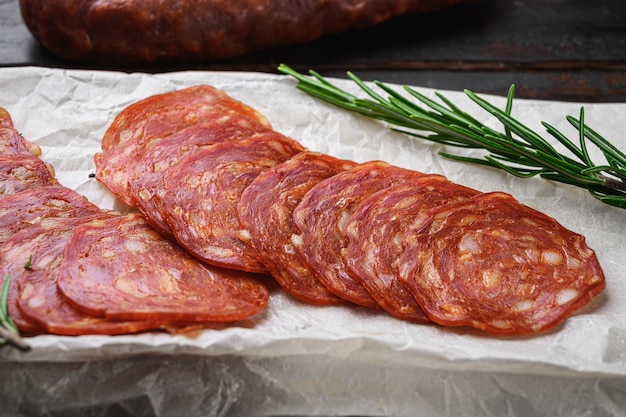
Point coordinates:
[[8, 330], [516, 149]]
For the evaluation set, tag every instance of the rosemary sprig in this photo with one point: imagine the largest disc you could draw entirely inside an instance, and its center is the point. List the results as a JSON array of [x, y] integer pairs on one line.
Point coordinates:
[[517, 149], [8, 330]]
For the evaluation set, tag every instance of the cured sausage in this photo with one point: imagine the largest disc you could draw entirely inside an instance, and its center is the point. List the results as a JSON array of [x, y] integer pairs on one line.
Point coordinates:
[[11, 142], [20, 172], [265, 211], [36, 304], [236, 194], [321, 218], [30, 206], [122, 269], [153, 31], [147, 122], [200, 196], [374, 234], [23, 324], [5, 118], [160, 115], [497, 265], [148, 174], [38, 299], [20, 257]]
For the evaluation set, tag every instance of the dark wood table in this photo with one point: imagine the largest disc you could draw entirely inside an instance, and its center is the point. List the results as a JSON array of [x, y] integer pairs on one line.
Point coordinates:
[[551, 49]]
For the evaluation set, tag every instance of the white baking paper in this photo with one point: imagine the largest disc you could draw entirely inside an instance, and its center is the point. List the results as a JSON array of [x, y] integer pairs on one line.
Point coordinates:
[[296, 359]]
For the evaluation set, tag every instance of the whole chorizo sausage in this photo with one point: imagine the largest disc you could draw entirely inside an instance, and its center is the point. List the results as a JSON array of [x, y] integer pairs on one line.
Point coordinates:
[[151, 31]]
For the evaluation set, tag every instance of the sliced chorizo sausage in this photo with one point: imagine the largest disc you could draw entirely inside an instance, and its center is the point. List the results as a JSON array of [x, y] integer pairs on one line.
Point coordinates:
[[497, 265], [199, 199], [122, 269], [145, 123], [321, 218], [20, 172], [374, 234], [30, 206], [265, 211]]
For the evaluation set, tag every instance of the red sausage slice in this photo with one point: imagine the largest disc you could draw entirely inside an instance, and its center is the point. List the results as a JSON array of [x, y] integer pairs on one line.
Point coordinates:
[[266, 209], [122, 269], [497, 265], [30, 206], [11, 142], [374, 234], [199, 199], [148, 175], [147, 122], [321, 218], [12, 265], [38, 298], [160, 115], [19, 172]]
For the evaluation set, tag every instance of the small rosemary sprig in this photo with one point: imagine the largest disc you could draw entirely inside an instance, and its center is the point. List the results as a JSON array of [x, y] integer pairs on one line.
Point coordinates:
[[29, 263], [8, 330], [517, 149]]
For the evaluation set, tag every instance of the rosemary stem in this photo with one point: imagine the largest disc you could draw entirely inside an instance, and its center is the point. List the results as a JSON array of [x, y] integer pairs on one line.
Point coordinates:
[[518, 150], [13, 338], [613, 183], [8, 330]]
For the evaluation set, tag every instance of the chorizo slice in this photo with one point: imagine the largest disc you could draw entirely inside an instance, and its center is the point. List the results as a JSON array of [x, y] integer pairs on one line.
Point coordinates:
[[20, 172], [145, 123], [5, 118], [160, 115], [375, 232], [11, 142], [13, 266], [497, 265], [147, 175], [200, 197], [30, 206], [321, 218], [122, 269], [265, 211], [38, 299]]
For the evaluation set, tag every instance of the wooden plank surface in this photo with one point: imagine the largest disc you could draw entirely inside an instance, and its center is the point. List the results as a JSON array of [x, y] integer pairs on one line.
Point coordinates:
[[551, 49]]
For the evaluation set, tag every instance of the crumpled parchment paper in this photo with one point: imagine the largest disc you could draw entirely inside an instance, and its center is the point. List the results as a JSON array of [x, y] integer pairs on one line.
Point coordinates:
[[296, 359]]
